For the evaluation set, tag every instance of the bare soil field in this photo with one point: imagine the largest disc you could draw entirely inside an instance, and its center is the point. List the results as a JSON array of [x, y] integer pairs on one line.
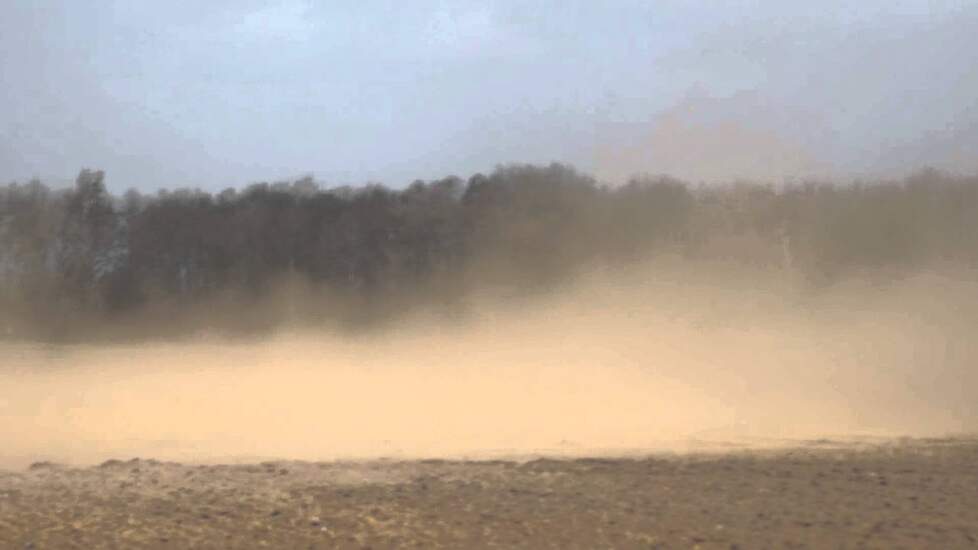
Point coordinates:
[[920, 493]]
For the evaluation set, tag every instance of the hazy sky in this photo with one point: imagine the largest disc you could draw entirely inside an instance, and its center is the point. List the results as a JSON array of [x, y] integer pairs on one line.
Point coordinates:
[[221, 93]]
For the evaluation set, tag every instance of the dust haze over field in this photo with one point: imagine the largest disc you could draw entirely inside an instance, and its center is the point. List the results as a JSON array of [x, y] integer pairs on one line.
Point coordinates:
[[533, 310], [654, 357], [805, 268], [555, 274]]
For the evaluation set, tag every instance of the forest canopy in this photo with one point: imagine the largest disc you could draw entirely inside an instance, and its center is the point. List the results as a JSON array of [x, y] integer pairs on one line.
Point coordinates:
[[69, 257]]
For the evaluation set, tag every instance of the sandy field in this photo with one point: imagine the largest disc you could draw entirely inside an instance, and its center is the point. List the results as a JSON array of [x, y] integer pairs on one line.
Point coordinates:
[[903, 494]]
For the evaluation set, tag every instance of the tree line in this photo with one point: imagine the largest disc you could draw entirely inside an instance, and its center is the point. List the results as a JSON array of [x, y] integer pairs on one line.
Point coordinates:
[[71, 256]]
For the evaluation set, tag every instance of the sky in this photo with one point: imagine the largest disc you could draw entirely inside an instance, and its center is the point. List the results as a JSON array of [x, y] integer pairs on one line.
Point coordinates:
[[224, 93]]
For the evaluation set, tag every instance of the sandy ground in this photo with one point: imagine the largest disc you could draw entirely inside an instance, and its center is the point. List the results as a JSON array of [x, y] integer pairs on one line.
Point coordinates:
[[906, 494]]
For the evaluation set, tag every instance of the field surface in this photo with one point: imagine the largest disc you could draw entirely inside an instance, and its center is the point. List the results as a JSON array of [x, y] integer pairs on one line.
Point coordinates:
[[909, 494]]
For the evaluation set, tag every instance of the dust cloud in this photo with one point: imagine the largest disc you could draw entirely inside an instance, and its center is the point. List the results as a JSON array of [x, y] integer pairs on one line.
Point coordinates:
[[657, 357]]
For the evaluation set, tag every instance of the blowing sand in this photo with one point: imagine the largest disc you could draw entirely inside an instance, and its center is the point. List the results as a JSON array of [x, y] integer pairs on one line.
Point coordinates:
[[613, 367], [641, 361]]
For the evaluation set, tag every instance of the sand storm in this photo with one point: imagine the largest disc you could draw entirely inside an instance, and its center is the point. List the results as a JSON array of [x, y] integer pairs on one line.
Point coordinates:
[[614, 364]]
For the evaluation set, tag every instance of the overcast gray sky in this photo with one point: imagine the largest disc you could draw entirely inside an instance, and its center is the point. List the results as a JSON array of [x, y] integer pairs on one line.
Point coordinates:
[[221, 93]]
